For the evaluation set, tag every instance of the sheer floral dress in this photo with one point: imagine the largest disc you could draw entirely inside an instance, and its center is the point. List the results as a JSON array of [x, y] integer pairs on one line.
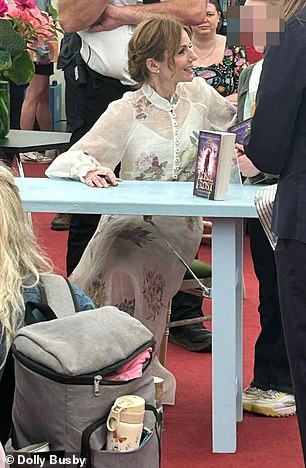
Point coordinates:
[[126, 263]]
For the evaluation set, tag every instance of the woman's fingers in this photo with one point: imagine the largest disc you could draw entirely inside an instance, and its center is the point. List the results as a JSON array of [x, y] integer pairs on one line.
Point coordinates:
[[101, 177]]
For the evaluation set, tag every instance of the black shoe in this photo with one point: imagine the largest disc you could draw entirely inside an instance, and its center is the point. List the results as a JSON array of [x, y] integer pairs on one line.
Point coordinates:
[[61, 222], [193, 337]]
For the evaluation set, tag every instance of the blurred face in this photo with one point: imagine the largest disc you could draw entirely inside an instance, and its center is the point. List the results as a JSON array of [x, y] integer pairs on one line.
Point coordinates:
[[211, 21], [183, 61], [256, 23]]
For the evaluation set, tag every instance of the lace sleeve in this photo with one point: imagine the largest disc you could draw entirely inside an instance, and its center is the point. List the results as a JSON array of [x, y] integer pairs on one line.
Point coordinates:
[[221, 114], [103, 145]]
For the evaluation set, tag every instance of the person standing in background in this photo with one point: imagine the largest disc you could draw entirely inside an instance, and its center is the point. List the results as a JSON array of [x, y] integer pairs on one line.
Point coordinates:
[[277, 145], [36, 104], [270, 392], [67, 62], [220, 65]]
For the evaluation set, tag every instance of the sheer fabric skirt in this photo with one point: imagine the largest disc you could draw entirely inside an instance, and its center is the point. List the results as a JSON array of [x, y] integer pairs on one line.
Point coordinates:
[[128, 264]]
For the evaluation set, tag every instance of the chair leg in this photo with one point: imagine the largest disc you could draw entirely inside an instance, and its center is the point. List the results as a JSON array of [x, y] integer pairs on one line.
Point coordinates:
[[162, 354]]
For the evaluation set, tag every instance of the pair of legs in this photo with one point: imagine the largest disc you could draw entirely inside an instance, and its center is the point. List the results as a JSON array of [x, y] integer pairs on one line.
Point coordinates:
[[127, 264], [270, 392], [90, 100], [291, 269], [271, 367], [36, 104]]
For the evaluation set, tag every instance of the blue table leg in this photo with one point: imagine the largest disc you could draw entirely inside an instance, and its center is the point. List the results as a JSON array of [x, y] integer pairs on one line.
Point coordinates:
[[227, 281]]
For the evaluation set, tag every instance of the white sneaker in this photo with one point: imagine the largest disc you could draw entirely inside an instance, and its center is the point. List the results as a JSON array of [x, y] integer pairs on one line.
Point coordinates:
[[35, 157], [249, 396], [268, 402]]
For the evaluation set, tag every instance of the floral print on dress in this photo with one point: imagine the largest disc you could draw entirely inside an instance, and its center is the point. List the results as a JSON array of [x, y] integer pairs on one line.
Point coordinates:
[[153, 289], [224, 76], [190, 221], [127, 306], [142, 107], [150, 167], [186, 159], [138, 236], [97, 291]]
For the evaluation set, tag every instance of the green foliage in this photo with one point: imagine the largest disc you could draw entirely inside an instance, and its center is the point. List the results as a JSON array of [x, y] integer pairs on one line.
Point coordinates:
[[15, 61]]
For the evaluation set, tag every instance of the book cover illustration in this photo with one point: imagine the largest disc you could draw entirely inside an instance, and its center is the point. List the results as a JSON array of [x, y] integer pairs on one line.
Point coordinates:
[[242, 130], [207, 165]]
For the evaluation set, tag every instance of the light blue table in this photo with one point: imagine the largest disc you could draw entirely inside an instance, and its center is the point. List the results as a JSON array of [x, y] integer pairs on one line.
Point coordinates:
[[175, 198]]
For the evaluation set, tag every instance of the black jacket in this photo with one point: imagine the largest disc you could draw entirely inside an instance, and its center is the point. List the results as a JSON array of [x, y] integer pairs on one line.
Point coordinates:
[[277, 143]]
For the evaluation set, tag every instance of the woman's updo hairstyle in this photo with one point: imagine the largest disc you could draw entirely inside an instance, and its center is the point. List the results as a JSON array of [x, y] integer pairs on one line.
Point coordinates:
[[153, 38]]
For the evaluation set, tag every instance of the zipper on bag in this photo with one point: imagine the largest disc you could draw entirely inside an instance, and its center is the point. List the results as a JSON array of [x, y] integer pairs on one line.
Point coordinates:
[[88, 379], [96, 386]]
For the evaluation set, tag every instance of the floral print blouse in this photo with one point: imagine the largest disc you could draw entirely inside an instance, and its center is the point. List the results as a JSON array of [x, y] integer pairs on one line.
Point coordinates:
[[224, 76], [154, 139]]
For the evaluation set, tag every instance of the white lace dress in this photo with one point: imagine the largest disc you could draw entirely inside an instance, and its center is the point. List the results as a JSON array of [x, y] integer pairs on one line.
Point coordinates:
[[126, 263]]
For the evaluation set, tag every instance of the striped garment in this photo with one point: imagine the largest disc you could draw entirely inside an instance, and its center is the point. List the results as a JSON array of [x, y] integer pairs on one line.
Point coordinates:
[[264, 199]]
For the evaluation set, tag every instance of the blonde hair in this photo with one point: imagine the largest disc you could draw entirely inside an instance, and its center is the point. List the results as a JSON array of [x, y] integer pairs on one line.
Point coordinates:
[[21, 260], [154, 37], [291, 7]]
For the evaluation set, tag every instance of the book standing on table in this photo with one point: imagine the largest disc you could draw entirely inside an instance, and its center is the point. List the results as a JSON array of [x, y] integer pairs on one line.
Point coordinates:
[[213, 164]]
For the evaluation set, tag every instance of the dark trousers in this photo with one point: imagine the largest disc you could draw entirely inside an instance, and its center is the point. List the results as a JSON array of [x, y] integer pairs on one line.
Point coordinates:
[[291, 269], [185, 306], [94, 96], [271, 367], [16, 100]]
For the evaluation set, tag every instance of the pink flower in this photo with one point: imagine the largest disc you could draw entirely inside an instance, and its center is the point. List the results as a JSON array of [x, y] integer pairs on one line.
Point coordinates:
[[32, 24], [14, 11], [24, 4], [3, 8]]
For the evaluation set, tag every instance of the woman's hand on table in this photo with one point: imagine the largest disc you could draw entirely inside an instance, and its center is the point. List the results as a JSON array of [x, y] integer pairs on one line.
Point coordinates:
[[100, 177]]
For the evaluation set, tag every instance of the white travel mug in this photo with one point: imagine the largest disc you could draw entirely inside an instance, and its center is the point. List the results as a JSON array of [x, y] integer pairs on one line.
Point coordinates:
[[125, 423]]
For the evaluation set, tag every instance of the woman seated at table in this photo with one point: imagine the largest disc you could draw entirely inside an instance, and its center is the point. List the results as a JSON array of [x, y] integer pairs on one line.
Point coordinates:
[[153, 133]]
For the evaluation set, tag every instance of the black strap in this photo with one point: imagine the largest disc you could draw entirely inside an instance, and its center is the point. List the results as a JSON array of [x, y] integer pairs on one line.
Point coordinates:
[[158, 425], [7, 387], [87, 433], [44, 309]]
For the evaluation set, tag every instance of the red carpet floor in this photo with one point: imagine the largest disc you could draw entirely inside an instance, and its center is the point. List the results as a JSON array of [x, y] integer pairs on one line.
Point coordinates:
[[262, 442]]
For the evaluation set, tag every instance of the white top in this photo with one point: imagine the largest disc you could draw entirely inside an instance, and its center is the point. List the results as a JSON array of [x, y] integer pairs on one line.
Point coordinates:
[[105, 52], [153, 138], [250, 100]]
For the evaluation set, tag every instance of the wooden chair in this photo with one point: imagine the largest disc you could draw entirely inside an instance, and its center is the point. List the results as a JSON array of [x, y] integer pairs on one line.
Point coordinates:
[[191, 286]]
